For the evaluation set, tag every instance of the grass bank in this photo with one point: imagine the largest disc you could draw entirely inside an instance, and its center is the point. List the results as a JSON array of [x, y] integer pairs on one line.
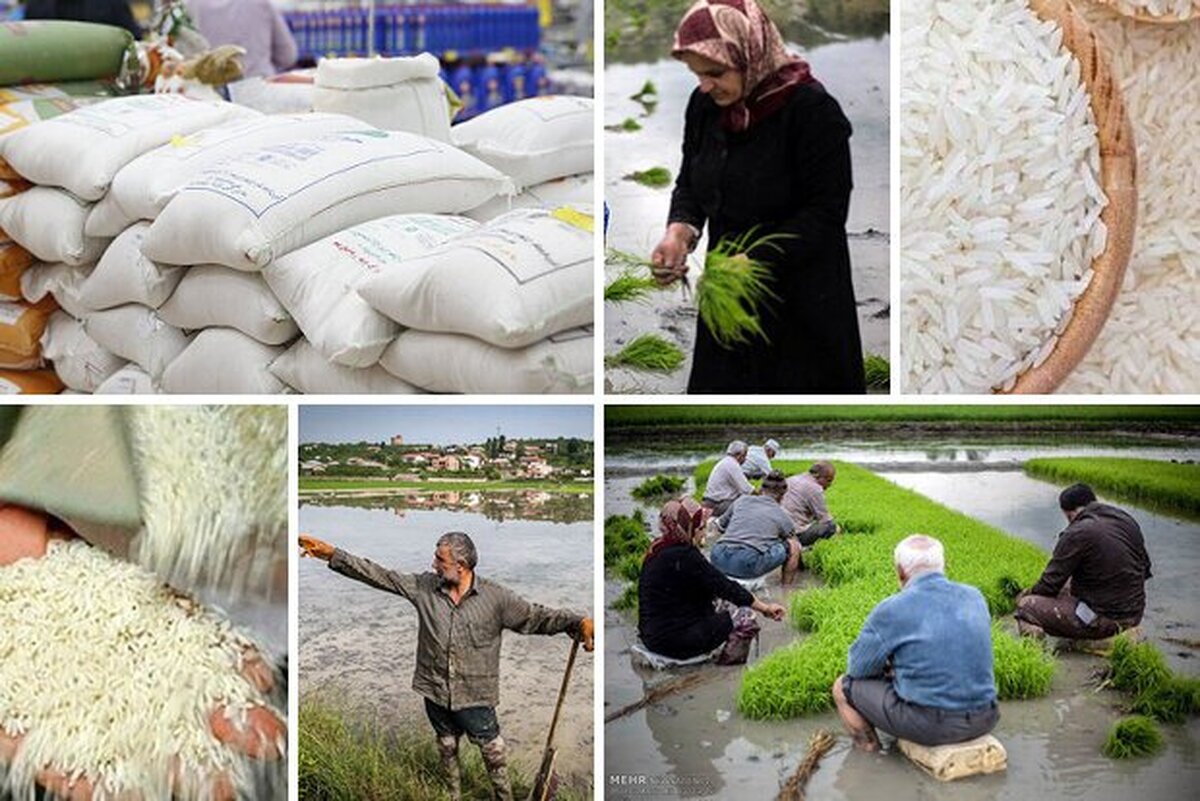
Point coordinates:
[[342, 757], [858, 572], [359, 484], [1160, 485]]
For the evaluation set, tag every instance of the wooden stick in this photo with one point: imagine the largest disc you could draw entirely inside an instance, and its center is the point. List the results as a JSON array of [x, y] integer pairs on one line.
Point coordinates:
[[660, 692], [541, 785]]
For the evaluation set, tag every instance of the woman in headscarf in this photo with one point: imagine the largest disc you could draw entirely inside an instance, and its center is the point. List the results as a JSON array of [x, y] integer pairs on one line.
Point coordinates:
[[677, 588], [766, 148]]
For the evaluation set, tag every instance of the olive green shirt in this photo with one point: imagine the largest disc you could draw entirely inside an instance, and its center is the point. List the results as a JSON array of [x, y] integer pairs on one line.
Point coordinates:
[[458, 647]]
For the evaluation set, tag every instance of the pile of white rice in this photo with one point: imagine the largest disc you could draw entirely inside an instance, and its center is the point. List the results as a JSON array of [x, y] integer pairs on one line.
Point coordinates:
[[1161, 9], [213, 494], [1000, 192], [1151, 342], [108, 675]]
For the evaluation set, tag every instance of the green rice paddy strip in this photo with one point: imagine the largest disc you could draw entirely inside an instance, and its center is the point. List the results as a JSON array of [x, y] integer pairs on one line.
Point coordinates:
[[1133, 737], [658, 487], [1164, 485], [649, 353], [858, 570]]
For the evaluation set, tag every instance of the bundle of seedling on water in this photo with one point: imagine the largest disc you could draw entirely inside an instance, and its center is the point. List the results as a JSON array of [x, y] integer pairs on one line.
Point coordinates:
[[647, 352], [1158, 695], [857, 568], [658, 487], [625, 542]]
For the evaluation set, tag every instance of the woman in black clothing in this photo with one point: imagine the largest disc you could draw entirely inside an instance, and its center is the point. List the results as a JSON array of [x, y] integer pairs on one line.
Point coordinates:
[[766, 148], [677, 587]]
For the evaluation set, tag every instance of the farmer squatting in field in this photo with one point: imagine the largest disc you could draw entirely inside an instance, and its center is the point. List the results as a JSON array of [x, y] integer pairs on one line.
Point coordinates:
[[462, 617]]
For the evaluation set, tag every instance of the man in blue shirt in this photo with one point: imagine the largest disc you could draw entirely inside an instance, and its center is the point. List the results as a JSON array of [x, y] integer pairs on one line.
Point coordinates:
[[921, 668]]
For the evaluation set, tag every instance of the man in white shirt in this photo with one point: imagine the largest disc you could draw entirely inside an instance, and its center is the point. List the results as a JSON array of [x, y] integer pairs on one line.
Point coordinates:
[[726, 482], [758, 460]]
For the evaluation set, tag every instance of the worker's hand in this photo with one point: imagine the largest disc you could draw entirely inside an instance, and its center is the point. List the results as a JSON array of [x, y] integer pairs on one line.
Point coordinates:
[[24, 533], [773, 611], [587, 633], [318, 549], [669, 259]]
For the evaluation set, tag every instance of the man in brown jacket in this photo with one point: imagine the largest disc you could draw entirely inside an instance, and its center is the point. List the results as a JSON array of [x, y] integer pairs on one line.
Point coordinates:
[[461, 617], [1094, 585]]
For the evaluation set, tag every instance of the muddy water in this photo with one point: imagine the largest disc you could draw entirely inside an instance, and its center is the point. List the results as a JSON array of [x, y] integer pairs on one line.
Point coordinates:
[[697, 745], [358, 644], [856, 73]]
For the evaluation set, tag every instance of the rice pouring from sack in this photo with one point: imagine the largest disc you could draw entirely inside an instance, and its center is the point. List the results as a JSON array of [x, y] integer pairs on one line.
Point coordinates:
[[1000, 187]]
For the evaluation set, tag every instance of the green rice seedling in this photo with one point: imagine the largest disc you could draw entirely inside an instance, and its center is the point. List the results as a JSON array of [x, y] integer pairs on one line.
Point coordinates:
[[629, 286], [1133, 736], [648, 92], [1136, 667], [630, 566], [878, 372], [627, 125], [628, 600], [649, 353], [1023, 667], [1172, 700], [658, 487], [734, 288], [1164, 485], [656, 177], [624, 536]]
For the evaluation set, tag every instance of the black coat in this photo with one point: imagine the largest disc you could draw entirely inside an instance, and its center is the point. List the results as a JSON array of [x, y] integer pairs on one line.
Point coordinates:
[[788, 174], [105, 12]]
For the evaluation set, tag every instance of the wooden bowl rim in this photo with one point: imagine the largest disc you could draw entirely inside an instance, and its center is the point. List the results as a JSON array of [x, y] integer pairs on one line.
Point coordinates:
[[1118, 179]]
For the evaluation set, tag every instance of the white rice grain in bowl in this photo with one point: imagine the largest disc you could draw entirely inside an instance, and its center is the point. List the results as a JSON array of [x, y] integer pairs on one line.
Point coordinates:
[[1167, 12], [1017, 194]]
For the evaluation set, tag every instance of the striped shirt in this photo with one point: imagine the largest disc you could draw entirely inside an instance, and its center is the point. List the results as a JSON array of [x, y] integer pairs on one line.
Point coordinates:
[[458, 647]]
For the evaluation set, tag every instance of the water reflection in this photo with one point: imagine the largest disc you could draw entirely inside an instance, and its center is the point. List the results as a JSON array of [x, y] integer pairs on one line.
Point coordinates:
[[554, 507]]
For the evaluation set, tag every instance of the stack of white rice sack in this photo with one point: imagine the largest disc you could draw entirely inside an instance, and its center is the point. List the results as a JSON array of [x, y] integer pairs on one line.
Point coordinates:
[[190, 244]]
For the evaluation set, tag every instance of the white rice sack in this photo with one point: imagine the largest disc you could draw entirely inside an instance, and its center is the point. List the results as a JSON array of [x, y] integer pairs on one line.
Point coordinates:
[[80, 361], [574, 190], [1000, 193], [138, 334], [223, 361], [396, 94], [316, 283], [49, 224], [562, 363], [304, 369], [82, 150], [533, 140], [287, 93], [62, 281], [123, 275], [211, 295], [518, 279], [129, 380], [1151, 340], [144, 186], [265, 203]]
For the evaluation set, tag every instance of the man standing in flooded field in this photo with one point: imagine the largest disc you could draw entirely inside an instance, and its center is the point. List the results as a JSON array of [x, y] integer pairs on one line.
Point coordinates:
[[1095, 583], [461, 618]]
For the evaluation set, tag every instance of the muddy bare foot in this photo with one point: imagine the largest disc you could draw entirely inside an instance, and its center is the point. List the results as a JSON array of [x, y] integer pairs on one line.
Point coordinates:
[[867, 742]]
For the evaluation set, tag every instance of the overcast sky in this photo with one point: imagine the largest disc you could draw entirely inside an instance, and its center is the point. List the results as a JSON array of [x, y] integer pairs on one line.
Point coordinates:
[[442, 424]]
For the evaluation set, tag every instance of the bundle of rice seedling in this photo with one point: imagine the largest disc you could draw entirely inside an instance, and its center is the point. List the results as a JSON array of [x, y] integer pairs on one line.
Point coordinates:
[[656, 177], [111, 678], [658, 488], [626, 540], [1172, 700], [648, 352], [1136, 667], [1165, 11], [1132, 737], [734, 287], [1007, 204], [1151, 341], [878, 372], [630, 285]]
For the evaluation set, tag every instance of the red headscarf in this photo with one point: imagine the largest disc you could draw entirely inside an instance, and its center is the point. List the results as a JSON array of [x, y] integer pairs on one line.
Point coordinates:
[[678, 522], [738, 35]]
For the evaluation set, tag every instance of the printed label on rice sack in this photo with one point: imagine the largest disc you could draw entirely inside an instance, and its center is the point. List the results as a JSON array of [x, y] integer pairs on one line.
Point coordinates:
[[264, 178], [529, 244], [11, 313], [185, 147], [119, 119], [380, 244]]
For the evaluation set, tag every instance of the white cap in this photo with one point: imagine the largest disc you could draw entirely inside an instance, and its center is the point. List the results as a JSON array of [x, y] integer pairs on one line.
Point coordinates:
[[773, 445]]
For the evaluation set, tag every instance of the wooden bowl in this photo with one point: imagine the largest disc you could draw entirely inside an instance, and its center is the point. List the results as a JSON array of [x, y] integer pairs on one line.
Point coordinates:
[[1143, 16], [1118, 179]]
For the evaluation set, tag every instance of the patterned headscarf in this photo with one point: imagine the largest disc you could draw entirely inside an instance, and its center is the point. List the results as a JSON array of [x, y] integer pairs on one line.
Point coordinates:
[[737, 34], [677, 523]]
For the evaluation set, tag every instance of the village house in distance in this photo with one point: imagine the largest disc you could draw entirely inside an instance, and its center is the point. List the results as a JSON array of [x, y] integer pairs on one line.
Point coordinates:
[[499, 459]]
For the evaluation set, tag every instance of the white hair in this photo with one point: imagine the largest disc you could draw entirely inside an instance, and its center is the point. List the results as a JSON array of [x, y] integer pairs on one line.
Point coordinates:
[[919, 553], [736, 447]]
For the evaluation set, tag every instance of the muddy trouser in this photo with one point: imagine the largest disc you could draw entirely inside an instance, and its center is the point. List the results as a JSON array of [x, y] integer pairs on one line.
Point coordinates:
[[877, 701], [1056, 616], [697, 639], [481, 727], [820, 530]]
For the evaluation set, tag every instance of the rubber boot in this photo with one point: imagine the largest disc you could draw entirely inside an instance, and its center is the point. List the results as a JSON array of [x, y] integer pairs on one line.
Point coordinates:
[[448, 751], [495, 757]]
